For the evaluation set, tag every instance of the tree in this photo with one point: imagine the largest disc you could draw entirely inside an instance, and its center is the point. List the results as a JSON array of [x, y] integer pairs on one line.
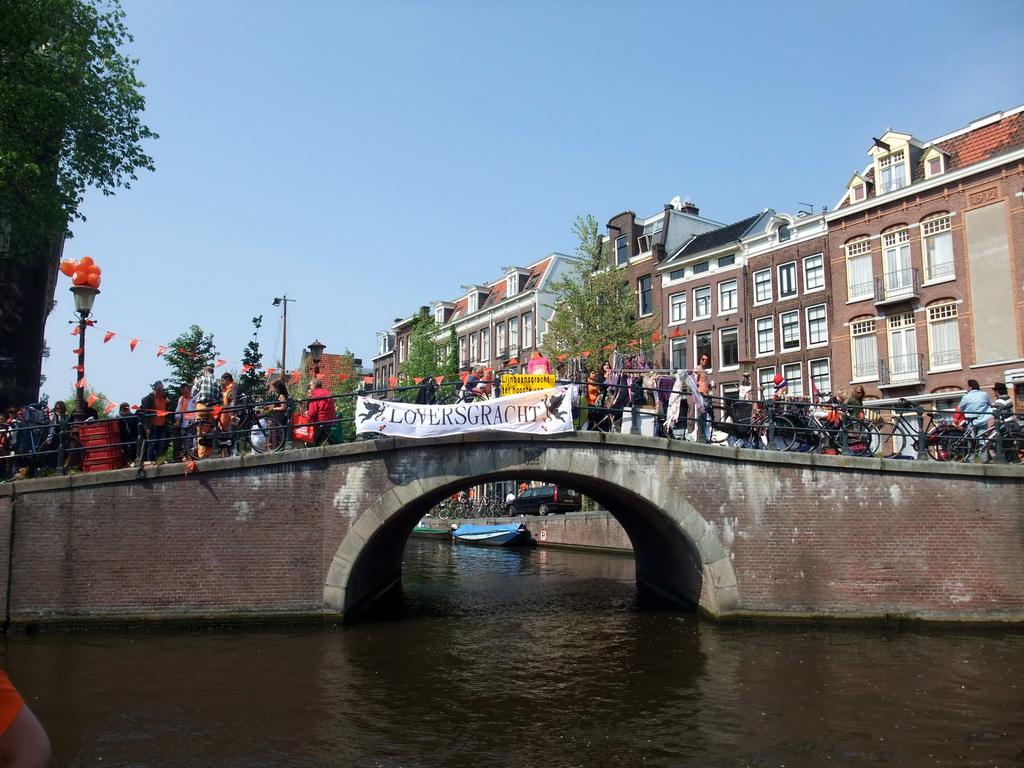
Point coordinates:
[[69, 120], [594, 306], [252, 381], [187, 355]]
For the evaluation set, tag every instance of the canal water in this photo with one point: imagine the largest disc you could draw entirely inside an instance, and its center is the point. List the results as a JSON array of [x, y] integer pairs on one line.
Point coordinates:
[[527, 658]]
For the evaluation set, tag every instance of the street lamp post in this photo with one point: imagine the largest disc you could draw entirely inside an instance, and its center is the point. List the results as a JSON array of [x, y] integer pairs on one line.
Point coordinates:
[[85, 295], [283, 302], [316, 351]]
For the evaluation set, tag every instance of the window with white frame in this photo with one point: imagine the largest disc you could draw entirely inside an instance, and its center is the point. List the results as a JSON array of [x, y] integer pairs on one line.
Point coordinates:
[[762, 286], [766, 381], [728, 348], [485, 344], [937, 236], [512, 285], [463, 360], [814, 272], [702, 302], [864, 349], [679, 361], [513, 334], [893, 170], [499, 340], [401, 349], [897, 271], [817, 326], [765, 335], [726, 296], [789, 324], [474, 347], [622, 249], [793, 374], [787, 280], [820, 374], [677, 307], [859, 276], [528, 329], [645, 294], [943, 336], [703, 342]]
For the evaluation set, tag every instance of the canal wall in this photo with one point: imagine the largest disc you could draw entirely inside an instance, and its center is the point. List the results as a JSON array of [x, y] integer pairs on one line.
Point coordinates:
[[316, 532]]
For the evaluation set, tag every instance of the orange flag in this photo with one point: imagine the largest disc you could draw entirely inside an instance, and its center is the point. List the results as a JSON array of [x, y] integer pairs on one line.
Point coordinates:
[[417, 381], [270, 371], [656, 337], [216, 411], [220, 363], [76, 351], [368, 379], [342, 376], [81, 383], [79, 368], [108, 336], [160, 351], [109, 408], [392, 383], [134, 343], [74, 331], [513, 361], [675, 332], [246, 368], [93, 397], [295, 376]]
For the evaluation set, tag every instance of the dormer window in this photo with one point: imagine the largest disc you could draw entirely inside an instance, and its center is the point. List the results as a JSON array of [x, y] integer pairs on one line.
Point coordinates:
[[859, 189], [893, 171], [934, 162], [515, 281], [475, 298]]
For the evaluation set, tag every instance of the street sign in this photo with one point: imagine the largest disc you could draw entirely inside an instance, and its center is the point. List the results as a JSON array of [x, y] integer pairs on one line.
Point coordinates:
[[517, 383]]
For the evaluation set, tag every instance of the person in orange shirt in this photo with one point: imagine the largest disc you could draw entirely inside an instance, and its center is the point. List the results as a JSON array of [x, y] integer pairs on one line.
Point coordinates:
[[23, 742], [228, 397]]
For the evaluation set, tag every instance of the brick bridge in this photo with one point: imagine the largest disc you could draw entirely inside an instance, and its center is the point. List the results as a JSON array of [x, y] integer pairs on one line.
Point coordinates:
[[320, 532]]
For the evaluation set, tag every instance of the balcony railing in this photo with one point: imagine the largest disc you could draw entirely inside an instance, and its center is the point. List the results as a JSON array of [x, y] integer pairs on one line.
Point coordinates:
[[898, 286], [901, 371]]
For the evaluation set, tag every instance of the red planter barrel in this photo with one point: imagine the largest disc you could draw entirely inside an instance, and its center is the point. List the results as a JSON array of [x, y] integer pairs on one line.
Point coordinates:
[[101, 440]]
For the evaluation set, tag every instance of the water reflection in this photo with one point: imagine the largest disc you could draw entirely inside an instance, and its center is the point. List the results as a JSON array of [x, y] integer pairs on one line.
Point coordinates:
[[526, 658]]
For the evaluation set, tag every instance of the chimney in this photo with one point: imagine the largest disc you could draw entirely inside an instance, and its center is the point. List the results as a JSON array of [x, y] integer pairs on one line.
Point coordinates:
[[690, 208]]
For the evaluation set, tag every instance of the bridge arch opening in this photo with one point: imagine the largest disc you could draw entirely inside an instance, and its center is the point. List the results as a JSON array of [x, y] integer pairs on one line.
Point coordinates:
[[677, 555]]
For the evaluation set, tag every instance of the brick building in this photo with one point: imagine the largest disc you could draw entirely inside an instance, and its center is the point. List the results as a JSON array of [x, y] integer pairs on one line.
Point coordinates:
[[928, 263]]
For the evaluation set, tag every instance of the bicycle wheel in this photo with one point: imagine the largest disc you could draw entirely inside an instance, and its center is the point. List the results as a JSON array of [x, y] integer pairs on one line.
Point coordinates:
[[786, 433], [721, 423], [903, 441], [1013, 443], [264, 434], [197, 434], [862, 438], [948, 443]]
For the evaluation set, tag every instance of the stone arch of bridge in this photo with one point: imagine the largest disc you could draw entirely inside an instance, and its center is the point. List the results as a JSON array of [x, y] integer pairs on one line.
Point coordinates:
[[677, 553]]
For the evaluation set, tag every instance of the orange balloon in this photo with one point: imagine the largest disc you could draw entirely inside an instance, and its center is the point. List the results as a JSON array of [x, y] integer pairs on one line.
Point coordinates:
[[93, 279], [98, 280], [95, 270], [86, 261], [80, 277], [67, 267]]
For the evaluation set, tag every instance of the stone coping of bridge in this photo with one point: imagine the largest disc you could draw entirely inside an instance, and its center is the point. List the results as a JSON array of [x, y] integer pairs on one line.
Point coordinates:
[[369, 448]]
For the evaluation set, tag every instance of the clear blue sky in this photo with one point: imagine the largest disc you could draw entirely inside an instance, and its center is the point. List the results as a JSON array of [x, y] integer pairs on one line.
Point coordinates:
[[367, 158]]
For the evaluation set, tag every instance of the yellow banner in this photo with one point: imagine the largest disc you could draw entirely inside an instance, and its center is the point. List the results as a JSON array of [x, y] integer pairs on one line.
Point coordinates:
[[517, 383]]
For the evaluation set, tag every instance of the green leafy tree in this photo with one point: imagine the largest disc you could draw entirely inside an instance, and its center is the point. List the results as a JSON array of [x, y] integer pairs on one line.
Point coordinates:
[[594, 307], [252, 381], [186, 356], [69, 120]]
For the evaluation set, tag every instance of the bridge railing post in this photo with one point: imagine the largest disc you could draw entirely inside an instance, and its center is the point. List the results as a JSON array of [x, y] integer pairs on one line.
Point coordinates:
[[769, 406]]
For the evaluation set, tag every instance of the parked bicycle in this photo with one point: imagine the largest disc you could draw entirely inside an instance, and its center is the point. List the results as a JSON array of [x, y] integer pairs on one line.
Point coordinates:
[[943, 439]]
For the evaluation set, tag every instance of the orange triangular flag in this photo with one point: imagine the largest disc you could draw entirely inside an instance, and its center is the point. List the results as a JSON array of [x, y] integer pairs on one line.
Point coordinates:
[[134, 343], [587, 353], [513, 361], [75, 330], [108, 336], [79, 368], [418, 381], [675, 332], [561, 357], [160, 351], [80, 384], [246, 368], [465, 376], [216, 411], [656, 337], [190, 467], [368, 379], [76, 351], [392, 382], [220, 363], [93, 397], [109, 408], [342, 376], [296, 375], [158, 412]]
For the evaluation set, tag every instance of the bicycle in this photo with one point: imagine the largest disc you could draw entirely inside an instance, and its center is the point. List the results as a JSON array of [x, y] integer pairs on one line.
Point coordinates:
[[1005, 437], [943, 440]]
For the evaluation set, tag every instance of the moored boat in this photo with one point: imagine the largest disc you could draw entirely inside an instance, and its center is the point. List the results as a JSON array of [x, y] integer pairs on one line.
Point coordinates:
[[513, 534], [423, 532]]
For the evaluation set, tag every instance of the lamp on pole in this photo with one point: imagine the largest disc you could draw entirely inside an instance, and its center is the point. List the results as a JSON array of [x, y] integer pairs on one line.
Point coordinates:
[[316, 351], [283, 302], [85, 295]]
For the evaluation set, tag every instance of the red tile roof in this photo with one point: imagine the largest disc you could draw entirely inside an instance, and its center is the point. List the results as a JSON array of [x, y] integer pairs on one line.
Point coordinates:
[[974, 146]]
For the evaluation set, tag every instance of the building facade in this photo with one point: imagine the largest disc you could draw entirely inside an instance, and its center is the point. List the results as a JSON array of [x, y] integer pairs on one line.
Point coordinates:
[[928, 263]]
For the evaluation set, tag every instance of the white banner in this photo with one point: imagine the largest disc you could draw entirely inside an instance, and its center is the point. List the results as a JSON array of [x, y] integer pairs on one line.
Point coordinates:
[[543, 412]]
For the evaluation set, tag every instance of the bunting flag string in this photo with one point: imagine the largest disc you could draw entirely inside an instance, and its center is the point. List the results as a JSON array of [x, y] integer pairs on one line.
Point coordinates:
[[108, 336], [161, 351], [134, 344]]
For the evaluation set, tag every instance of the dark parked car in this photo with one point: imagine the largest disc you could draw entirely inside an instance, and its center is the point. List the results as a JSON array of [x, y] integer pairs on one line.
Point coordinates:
[[546, 499]]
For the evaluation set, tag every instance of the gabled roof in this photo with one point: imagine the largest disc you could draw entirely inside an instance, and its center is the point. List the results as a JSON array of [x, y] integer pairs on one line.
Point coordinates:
[[498, 288], [975, 145], [716, 238]]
